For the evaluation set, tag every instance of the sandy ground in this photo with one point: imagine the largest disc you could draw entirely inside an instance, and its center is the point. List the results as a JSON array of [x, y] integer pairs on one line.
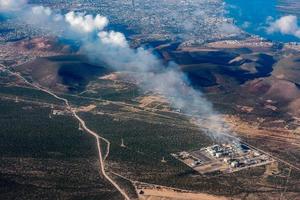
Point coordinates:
[[147, 100], [252, 130], [166, 194], [248, 43], [86, 108]]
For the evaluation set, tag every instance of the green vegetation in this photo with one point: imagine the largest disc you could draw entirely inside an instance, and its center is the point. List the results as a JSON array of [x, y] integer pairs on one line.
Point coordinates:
[[112, 90], [52, 151], [28, 93], [27, 130], [43, 158]]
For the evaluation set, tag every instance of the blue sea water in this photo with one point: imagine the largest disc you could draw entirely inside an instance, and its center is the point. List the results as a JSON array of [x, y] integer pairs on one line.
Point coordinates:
[[252, 15]]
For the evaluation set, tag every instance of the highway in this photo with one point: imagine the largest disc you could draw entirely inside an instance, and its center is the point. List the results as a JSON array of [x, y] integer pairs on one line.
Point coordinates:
[[83, 125]]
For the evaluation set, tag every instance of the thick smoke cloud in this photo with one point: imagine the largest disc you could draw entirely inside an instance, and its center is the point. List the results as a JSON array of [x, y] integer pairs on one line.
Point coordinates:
[[287, 25], [86, 23], [113, 38], [41, 11], [112, 48], [168, 81]]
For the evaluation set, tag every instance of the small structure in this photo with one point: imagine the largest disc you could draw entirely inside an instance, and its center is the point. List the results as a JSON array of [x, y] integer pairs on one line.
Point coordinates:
[[184, 155], [58, 112], [234, 164]]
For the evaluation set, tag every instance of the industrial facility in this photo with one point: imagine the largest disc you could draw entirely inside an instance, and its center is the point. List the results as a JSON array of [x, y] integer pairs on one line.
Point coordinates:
[[223, 158]]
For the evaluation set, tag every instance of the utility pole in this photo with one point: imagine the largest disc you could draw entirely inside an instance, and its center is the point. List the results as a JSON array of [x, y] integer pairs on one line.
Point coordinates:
[[51, 111], [133, 92], [286, 184], [163, 160], [79, 127], [122, 143]]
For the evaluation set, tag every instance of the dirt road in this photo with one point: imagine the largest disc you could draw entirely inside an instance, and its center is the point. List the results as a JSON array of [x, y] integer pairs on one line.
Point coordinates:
[[83, 124]]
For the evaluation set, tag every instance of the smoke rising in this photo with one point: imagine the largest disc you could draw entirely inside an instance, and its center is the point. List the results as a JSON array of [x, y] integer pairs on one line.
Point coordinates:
[[86, 23], [112, 48], [42, 11], [113, 38], [168, 81]]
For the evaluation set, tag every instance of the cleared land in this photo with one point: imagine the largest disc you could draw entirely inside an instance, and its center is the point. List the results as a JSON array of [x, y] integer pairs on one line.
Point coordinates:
[[151, 130]]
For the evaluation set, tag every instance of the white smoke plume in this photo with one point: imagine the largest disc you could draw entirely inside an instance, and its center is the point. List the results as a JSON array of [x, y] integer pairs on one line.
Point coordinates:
[[86, 23], [7, 5], [168, 81], [112, 48], [41, 11], [113, 38]]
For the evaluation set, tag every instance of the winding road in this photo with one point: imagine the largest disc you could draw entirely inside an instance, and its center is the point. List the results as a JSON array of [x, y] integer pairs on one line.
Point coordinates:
[[98, 138], [85, 128]]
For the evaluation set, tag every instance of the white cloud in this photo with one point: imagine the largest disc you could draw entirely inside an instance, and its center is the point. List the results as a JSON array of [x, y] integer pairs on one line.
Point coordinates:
[[11, 4], [287, 25], [86, 23], [113, 38], [246, 24], [41, 10]]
